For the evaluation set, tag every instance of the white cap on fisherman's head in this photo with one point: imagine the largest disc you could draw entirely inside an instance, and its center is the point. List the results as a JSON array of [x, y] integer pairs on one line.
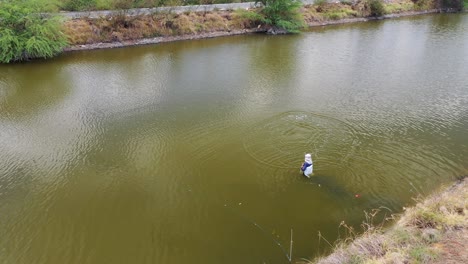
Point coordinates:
[[308, 158]]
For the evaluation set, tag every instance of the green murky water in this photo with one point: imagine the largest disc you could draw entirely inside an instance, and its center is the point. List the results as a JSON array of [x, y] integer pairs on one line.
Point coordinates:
[[189, 152]]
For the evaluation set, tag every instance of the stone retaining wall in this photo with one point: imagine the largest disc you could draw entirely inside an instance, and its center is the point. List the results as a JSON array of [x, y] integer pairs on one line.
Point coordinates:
[[166, 9]]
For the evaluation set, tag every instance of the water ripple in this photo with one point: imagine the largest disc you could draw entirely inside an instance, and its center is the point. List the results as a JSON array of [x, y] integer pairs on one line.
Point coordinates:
[[282, 141]]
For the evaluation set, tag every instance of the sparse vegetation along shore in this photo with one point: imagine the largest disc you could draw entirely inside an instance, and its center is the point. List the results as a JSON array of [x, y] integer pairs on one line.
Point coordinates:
[[435, 230], [123, 28]]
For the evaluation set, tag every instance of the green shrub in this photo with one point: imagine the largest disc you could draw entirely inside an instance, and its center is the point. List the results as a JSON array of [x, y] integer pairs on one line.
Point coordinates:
[[346, 2], [171, 3], [320, 2], [104, 4], [79, 5], [283, 14], [335, 15], [25, 33], [377, 7], [424, 4], [397, 7], [339, 14], [247, 18]]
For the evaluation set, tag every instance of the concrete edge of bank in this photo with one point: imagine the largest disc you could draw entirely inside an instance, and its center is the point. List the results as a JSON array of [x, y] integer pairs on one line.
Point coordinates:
[[168, 9]]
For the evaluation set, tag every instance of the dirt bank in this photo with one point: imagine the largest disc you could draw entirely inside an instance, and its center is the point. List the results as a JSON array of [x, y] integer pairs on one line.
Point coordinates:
[[122, 31], [435, 230]]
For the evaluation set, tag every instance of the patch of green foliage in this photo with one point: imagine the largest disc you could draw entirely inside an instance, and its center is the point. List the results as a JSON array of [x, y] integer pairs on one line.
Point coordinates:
[[283, 14], [251, 17], [396, 7], [26, 33], [104, 4], [422, 254], [423, 4], [320, 2], [465, 4], [335, 15], [346, 2], [79, 5], [340, 14], [377, 7]]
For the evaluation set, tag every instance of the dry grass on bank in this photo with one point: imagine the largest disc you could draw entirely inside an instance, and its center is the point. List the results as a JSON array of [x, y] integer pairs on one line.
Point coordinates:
[[435, 230], [121, 27], [323, 11], [328, 11], [399, 6]]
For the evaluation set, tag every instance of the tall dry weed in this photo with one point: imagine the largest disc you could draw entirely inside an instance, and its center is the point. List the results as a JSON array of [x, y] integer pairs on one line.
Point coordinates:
[[80, 31]]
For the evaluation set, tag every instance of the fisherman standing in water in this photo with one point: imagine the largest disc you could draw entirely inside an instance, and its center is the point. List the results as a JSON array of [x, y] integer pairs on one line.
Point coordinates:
[[307, 167]]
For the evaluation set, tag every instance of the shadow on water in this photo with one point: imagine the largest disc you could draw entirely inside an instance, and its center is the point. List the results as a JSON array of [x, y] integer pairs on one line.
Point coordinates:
[[446, 22], [136, 53], [45, 87], [330, 185], [275, 61]]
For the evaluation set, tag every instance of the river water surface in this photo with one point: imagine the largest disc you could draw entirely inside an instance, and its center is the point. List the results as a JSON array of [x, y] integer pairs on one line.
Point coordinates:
[[189, 152]]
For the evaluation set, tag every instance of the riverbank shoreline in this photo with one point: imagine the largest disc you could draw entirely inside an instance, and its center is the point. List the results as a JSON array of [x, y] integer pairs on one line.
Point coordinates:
[[157, 40], [225, 33], [435, 230]]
